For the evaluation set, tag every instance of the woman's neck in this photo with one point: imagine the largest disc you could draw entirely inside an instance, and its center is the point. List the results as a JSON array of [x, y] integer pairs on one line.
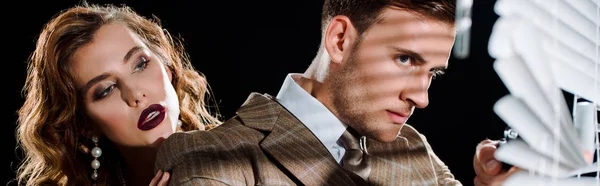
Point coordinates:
[[138, 167]]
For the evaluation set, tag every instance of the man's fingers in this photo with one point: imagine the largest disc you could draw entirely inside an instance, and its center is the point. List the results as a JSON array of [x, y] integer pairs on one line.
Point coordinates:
[[487, 160], [477, 151], [493, 167], [485, 152], [499, 180], [477, 182], [478, 168], [483, 176], [482, 144], [513, 169]]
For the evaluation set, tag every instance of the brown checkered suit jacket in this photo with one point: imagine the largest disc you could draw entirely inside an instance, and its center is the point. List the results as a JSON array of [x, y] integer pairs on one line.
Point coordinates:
[[264, 144]]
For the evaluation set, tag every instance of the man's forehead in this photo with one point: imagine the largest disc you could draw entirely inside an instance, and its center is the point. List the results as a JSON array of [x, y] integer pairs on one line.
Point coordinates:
[[404, 25], [396, 15]]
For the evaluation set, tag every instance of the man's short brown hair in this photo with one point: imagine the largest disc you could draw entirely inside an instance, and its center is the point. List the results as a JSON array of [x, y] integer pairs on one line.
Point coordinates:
[[363, 13]]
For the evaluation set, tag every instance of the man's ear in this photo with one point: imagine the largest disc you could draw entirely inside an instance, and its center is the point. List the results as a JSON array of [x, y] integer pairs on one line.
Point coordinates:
[[339, 37]]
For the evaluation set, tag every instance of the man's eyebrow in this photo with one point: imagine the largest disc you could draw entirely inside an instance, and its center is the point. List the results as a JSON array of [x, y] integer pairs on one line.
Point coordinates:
[[418, 57], [411, 53]]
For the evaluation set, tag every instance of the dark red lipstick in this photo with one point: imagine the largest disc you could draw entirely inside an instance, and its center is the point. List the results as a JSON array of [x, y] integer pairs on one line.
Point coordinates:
[[151, 117]]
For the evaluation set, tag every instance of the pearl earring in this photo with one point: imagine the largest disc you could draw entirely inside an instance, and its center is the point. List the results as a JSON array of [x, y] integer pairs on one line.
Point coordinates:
[[178, 123], [96, 152]]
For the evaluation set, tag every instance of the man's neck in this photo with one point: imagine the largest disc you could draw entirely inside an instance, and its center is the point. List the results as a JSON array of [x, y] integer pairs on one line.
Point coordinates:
[[318, 90]]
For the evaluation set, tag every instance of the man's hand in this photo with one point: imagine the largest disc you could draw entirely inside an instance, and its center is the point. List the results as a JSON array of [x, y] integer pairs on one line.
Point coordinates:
[[488, 169]]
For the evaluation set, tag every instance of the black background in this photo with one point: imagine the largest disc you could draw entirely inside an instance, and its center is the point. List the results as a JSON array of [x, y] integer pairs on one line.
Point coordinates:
[[238, 44]]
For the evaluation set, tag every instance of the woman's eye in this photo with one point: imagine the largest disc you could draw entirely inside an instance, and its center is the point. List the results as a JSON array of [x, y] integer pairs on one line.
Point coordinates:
[[141, 65], [104, 93]]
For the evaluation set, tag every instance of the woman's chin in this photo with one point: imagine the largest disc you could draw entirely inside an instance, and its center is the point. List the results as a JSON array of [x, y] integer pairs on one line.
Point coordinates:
[[158, 142]]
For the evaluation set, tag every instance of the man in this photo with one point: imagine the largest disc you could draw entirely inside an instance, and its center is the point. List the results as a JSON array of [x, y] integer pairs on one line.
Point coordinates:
[[342, 122]]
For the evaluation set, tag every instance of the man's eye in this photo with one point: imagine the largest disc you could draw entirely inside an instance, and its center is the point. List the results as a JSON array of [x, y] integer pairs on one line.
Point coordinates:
[[404, 60]]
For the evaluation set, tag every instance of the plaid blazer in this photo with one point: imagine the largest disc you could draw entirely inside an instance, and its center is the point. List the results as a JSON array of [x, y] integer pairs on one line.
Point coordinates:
[[264, 144]]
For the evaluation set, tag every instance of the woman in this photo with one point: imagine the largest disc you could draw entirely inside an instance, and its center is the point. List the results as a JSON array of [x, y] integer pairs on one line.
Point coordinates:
[[104, 88]]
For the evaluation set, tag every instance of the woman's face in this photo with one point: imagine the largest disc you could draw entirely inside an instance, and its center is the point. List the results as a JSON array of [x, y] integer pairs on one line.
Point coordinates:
[[126, 89]]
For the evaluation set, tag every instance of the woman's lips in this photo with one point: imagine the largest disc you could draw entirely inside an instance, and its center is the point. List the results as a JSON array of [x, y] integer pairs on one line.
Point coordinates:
[[151, 117]]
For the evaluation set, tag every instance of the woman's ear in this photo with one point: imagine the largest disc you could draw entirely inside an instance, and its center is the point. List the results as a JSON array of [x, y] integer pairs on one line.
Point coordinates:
[[87, 144], [170, 73]]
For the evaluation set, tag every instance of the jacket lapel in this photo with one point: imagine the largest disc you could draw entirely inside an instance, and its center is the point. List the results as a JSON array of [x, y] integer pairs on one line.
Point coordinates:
[[291, 144], [389, 161]]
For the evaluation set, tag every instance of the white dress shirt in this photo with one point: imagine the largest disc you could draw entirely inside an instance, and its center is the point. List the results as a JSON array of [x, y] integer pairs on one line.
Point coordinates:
[[313, 114]]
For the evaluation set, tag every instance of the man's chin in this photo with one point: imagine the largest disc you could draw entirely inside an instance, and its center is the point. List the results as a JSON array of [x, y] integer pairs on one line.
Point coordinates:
[[385, 139], [386, 136]]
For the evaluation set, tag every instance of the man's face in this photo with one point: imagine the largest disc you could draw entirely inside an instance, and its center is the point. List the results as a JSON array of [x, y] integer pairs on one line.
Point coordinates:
[[384, 77]]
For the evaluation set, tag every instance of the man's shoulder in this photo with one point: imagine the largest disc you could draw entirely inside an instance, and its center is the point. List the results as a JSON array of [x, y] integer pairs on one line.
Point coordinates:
[[230, 130], [223, 139]]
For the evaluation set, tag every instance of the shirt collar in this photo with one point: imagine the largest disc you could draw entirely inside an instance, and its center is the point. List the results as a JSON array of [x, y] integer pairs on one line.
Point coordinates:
[[310, 111]]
